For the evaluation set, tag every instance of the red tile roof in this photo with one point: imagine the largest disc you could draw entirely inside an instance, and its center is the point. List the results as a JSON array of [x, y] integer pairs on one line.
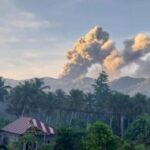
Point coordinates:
[[21, 125]]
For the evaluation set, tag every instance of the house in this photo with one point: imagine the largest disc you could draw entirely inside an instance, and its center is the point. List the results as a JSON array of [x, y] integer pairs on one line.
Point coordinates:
[[13, 131]]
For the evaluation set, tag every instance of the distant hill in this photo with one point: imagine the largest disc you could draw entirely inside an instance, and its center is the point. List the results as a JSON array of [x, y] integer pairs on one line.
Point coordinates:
[[83, 84], [127, 85]]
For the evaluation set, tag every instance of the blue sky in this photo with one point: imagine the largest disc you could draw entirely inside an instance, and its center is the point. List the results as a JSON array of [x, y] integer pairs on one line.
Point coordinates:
[[35, 35]]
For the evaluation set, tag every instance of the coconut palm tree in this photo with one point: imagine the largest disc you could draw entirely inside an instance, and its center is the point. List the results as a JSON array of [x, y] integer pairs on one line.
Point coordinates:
[[119, 108], [76, 98], [27, 97]]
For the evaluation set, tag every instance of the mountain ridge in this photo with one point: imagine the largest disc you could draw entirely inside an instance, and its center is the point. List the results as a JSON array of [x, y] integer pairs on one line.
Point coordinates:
[[126, 85]]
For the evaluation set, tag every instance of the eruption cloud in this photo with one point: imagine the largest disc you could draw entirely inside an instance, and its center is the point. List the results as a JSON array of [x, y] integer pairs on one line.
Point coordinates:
[[137, 52], [94, 48], [136, 48], [95, 52]]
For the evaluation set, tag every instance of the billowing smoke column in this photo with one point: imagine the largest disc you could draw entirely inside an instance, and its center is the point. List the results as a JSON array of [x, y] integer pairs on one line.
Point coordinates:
[[136, 48], [94, 48], [95, 52], [137, 51]]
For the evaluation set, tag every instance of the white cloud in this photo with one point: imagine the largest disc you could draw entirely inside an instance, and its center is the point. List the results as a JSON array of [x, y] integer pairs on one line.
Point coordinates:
[[27, 20], [21, 26]]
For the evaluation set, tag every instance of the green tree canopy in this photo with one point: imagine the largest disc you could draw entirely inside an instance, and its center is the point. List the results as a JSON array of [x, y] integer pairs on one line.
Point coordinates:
[[99, 137], [101, 90], [26, 98], [69, 139], [139, 130]]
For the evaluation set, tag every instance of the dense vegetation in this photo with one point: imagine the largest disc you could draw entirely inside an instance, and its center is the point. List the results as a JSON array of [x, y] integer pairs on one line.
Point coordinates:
[[123, 125]]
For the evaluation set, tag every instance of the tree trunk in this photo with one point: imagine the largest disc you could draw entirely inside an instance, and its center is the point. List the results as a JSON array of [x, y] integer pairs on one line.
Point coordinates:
[[87, 119], [122, 126], [71, 118], [111, 121], [23, 111]]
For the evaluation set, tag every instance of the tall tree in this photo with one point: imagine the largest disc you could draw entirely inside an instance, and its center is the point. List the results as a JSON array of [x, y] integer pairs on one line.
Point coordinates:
[[139, 104], [76, 98], [60, 98], [89, 107], [101, 91], [49, 106], [3, 90], [60, 104], [119, 108], [101, 87], [27, 97]]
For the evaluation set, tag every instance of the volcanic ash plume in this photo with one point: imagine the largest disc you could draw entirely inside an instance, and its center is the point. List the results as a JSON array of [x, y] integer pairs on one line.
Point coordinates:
[[112, 64], [94, 48], [137, 52], [136, 48]]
